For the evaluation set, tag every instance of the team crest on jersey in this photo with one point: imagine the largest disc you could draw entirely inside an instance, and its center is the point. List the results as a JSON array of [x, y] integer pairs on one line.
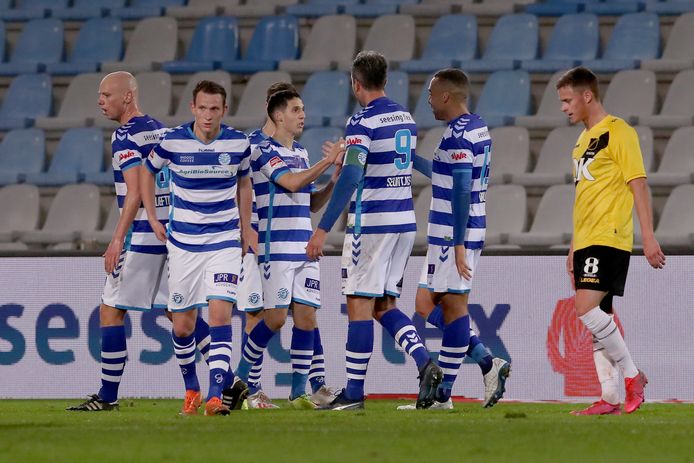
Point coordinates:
[[254, 298], [283, 293], [581, 165], [224, 159], [177, 298]]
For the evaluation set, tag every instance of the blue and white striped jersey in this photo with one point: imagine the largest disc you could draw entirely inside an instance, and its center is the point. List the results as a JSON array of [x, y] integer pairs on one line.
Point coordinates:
[[382, 203], [285, 217], [203, 214], [255, 138], [465, 144], [130, 145]]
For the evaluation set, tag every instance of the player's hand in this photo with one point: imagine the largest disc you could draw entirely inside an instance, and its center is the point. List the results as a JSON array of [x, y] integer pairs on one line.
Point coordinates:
[[159, 230], [653, 253], [314, 248], [112, 254], [461, 264], [333, 152], [249, 239]]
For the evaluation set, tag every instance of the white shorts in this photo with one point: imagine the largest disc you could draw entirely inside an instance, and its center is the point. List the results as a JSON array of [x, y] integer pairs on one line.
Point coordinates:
[[250, 290], [287, 282], [440, 274], [138, 282], [373, 265], [197, 277]]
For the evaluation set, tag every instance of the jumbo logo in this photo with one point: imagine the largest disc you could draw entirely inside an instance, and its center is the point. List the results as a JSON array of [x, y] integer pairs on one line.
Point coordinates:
[[123, 156], [354, 141], [458, 156]]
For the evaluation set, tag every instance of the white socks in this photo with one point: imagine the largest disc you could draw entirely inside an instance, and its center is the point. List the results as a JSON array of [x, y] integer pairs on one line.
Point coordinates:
[[605, 330], [608, 374]]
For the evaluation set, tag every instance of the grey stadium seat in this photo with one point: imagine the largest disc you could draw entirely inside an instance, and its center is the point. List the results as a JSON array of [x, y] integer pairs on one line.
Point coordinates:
[[677, 165], [250, 112], [631, 94], [645, 135], [79, 107], [393, 36], [510, 153], [183, 113], [330, 45], [426, 146], [161, 38], [553, 223], [554, 163], [549, 113], [104, 235], [676, 226], [13, 246], [679, 53], [678, 107], [19, 209], [75, 210], [507, 212]]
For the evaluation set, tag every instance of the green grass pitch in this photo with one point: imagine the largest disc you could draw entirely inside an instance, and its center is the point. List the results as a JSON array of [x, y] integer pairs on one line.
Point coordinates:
[[151, 431]]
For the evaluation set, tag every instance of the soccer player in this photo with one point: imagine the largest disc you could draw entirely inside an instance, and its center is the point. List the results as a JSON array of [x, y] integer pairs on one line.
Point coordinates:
[[207, 161], [457, 222], [381, 229], [610, 180], [285, 197], [135, 261]]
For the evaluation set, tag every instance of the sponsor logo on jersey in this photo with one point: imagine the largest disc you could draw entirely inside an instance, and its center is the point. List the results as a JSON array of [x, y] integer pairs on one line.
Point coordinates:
[[459, 155], [430, 269], [162, 200], [275, 161], [152, 137], [312, 283], [226, 278], [354, 141], [186, 158], [123, 156]]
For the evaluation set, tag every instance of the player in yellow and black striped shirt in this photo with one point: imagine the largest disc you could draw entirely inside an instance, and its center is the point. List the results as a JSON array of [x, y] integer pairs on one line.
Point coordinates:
[[610, 179]]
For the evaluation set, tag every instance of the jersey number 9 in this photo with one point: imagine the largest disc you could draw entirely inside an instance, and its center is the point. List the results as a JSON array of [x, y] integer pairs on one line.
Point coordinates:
[[403, 145]]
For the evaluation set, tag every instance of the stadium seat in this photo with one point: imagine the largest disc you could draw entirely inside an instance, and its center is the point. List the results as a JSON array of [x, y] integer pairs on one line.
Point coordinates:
[[505, 94], [79, 106], [325, 95], [515, 37], [678, 108], [427, 144], [196, 9], [376, 8], [13, 246], [631, 94], [139, 9], [313, 138], [215, 39], [393, 36], [101, 178], [510, 153], [422, 114], [104, 235], [274, 39], [330, 45], [554, 164], [74, 210], [435, 8], [678, 54], [558, 7], [677, 165], [614, 7], [28, 97], [22, 152], [507, 213], [19, 209], [575, 37], [250, 112], [675, 228], [318, 8], [40, 43], [27, 10], [670, 7], [397, 89], [553, 222], [82, 10], [99, 40], [549, 114], [493, 7], [79, 151], [183, 113], [161, 37], [645, 135], [258, 8], [453, 39], [635, 37]]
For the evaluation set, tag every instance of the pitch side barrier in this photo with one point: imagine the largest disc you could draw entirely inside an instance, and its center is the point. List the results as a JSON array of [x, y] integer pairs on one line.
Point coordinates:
[[521, 306]]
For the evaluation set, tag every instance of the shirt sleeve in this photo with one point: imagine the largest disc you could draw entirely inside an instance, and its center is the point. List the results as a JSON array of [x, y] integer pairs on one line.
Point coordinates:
[[462, 154], [627, 153], [271, 164], [126, 153], [357, 135], [158, 158]]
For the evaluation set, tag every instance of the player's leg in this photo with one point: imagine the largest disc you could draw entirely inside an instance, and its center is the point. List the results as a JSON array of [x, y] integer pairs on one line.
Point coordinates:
[[301, 352], [220, 354], [183, 337], [321, 394], [454, 345]]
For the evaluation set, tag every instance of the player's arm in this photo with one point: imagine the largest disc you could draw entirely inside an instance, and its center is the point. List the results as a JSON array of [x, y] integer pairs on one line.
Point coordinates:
[[153, 164], [651, 248], [245, 201], [460, 208], [294, 181], [320, 197], [131, 204], [422, 165]]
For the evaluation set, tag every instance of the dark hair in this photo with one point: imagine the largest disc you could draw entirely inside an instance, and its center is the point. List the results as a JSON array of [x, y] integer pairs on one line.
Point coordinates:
[[370, 69], [279, 100], [580, 78], [278, 87], [456, 78], [209, 87]]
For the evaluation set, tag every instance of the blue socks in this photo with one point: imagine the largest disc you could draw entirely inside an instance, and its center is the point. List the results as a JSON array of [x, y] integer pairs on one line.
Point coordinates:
[[436, 317], [405, 334], [113, 356], [254, 348], [454, 345], [202, 336], [256, 370], [360, 345], [184, 349], [220, 356], [301, 353], [317, 373]]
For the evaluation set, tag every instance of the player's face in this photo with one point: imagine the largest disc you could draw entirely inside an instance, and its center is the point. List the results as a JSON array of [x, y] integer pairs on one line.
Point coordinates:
[[437, 99], [292, 118], [112, 98], [208, 109], [573, 103]]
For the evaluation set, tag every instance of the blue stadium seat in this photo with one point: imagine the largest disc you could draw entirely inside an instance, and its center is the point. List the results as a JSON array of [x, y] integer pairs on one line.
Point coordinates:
[[99, 40], [21, 152], [671, 7], [3, 37], [615, 7], [635, 37], [326, 95], [397, 89], [82, 10], [275, 38], [79, 151], [575, 37], [453, 39], [558, 7], [422, 111], [316, 8], [28, 97], [139, 9], [505, 94], [515, 37], [32, 9], [40, 43], [313, 138], [100, 178], [216, 39], [374, 8], [5, 5]]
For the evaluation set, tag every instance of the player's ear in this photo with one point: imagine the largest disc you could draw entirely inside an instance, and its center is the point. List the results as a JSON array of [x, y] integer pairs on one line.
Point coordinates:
[[587, 96]]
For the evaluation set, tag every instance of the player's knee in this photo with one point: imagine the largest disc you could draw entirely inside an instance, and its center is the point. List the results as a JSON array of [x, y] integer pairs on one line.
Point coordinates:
[[275, 319], [184, 324], [110, 316]]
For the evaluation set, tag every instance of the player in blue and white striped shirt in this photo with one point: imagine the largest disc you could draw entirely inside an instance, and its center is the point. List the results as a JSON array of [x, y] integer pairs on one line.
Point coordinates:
[[381, 229], [207, 161], [285, 197]]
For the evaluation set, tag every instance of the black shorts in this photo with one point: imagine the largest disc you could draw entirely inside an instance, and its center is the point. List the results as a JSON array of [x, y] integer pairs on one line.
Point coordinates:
[[601, 268]]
